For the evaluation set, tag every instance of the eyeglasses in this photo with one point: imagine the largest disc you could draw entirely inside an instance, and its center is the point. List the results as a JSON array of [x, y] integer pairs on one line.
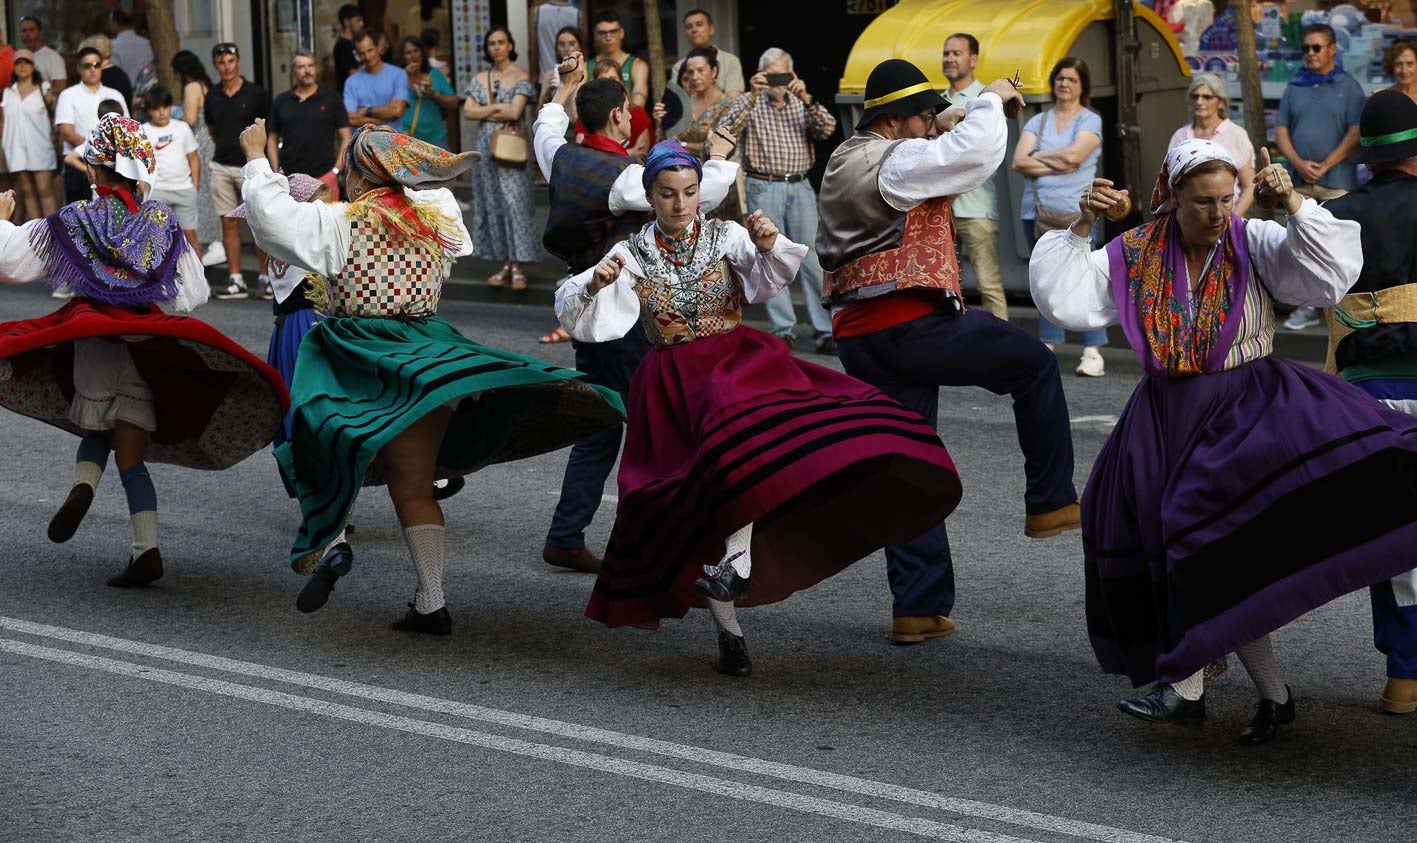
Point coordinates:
[[226, 48], [1314, 48], [1204, 97], [90, 65]]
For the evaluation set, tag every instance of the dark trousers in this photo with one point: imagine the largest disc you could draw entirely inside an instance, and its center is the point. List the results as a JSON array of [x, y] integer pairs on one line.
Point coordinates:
[[610, 364], [910, 362]]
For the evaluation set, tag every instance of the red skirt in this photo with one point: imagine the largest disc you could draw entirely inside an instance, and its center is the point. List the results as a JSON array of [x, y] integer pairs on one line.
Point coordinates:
[[731, 430], [216, 403]]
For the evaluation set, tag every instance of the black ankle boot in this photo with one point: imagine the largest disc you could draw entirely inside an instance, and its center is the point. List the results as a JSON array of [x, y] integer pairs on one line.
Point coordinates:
[[67, 520], [733, 655], [1269, 716], [141, 571], [724, 586], [1163, 705], [448, 488], [437, 622], [334, 564]]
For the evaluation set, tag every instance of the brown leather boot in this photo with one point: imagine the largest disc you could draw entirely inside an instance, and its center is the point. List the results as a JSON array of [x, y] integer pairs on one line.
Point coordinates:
[[914, 630], [1399, 697], [582, 559], [1047, 524]]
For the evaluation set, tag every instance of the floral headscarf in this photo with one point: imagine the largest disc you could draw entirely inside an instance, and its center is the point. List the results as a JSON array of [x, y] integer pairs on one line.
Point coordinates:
[[119, 144], [388, 158]]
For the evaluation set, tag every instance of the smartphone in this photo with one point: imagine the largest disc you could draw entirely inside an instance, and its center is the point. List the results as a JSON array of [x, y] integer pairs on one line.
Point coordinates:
[[778, 80]]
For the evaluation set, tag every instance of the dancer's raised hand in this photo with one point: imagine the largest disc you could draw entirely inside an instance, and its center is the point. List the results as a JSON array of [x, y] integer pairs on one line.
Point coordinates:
[[762, 230], [606, 272], [1273, 185], [253, 140]]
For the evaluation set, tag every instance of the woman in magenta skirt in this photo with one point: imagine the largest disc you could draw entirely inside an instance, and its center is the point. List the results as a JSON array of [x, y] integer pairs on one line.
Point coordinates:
[[742, 465]]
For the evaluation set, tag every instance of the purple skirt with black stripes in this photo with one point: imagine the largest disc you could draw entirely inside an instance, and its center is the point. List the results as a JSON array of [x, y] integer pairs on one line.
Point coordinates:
[[732, 429], [1226, 505]]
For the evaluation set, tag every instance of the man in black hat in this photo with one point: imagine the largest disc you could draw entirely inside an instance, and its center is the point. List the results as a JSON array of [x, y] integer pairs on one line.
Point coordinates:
[[886, 241], [1378, 357]]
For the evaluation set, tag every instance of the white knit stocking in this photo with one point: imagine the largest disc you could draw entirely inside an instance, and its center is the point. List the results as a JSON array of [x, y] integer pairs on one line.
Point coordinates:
[[425, 545], [724, 617], [1192, 687], [1258, 659], [737, 554]]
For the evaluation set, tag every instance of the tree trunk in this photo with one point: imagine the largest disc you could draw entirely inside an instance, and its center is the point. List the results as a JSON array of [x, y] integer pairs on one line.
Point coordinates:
[[1251, 93], [162, 32], [657, 70]]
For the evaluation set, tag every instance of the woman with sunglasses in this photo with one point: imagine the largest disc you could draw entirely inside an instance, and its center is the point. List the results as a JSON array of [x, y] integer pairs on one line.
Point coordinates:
[[1210, 120]]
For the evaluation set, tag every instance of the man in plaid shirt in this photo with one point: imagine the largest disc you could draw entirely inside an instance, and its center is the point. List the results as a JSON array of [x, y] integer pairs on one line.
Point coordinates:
[[777, 125]]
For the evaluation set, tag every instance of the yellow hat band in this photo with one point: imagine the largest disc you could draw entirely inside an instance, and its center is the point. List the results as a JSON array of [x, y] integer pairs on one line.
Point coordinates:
[[899, 95]]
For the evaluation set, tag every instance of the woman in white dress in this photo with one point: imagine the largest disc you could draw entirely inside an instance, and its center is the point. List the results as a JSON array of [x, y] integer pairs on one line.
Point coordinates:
[[26, 140]]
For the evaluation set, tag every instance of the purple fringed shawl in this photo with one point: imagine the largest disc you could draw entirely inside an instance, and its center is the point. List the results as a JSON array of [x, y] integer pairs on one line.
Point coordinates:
[[100, 250]]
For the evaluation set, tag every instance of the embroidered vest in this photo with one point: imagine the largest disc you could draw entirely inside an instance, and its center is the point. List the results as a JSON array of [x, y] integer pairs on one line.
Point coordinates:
[[579, 226], [387, 276], [866, 247], [675, 311]]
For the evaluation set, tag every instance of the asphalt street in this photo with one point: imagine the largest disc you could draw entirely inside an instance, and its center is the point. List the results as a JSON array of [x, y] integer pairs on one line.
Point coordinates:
[[207, 708]]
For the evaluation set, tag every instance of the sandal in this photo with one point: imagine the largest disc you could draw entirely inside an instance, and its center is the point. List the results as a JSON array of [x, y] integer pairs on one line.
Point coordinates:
[[558, 335], [519, 284], [499, 279]]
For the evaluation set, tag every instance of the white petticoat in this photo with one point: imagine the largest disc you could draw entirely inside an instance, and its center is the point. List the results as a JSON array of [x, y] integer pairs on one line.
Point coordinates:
[[108, 388]]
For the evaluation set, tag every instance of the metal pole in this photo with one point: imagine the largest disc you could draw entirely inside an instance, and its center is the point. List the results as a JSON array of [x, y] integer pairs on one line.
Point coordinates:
[[1128, 46]]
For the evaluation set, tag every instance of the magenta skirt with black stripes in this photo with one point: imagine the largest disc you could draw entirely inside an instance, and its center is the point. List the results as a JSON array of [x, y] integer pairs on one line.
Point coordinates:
[[730, 430]]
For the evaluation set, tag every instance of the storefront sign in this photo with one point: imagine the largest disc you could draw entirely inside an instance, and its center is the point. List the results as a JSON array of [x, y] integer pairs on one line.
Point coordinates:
[[868, 7]]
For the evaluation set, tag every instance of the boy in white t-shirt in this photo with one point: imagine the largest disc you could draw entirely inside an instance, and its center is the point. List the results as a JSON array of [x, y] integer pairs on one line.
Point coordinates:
[[179, 170]]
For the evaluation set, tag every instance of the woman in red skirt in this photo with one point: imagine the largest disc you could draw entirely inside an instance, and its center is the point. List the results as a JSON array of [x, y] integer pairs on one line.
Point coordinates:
[[742, 464]]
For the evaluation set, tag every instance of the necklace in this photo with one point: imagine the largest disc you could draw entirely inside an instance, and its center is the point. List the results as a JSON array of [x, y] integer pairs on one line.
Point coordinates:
[[679, 250]]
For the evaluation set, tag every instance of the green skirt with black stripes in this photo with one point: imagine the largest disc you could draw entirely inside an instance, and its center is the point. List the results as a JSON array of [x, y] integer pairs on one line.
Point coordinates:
[[359, 382]]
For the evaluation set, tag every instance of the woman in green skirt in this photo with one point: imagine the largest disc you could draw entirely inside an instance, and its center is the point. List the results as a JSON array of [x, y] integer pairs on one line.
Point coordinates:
[[384, 391]]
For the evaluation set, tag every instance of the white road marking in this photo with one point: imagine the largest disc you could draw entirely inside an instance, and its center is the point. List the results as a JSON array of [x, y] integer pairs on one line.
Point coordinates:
[[771, 769], [556, 493], [1110, 421], [560, 755]]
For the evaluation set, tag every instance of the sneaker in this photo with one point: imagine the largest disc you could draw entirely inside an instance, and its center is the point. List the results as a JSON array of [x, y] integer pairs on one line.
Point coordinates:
[[234, 288], [263, 289], [61, 294], [1301, 318], [1091, 365], [215, 254], [788, 337]]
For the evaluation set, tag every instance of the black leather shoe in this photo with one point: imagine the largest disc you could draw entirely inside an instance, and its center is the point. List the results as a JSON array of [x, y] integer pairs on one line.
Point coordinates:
[[733, 655], [67, 520], [725, 586], [1163, 705], [334, 564], [141, 571], [434, 623], [444, 489], [1269, 716]]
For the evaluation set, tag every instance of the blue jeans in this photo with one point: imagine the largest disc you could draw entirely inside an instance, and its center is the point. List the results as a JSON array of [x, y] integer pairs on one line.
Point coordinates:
[[1047, 331], [793, 209], [611, 364]]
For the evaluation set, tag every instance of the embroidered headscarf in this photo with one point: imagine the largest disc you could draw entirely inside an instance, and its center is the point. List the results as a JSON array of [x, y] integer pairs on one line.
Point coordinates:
[[1181, 329], [667, 154], [111, 248], [119, 144], [391, 161]]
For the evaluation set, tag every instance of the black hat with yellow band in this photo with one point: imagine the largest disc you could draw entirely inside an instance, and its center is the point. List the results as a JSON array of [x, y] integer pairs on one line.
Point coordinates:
[[1388, 128], [898, 87]]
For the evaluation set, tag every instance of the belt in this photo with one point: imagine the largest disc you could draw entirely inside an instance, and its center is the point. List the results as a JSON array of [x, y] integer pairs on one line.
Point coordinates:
[[790, 179]]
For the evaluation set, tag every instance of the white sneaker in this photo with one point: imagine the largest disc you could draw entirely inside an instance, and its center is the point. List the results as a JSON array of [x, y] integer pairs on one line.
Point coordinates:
[[215, 254], [1301, 318], [61, 294], [234, 288], [263, 290], [1091, 366]]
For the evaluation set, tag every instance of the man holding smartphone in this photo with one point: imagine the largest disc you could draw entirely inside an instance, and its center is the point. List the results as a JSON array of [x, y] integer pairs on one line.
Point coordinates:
[[778, 122]]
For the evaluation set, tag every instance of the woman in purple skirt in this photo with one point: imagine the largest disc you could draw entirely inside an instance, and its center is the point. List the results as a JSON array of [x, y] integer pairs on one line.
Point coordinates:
[[741, 462], [1189, 518]]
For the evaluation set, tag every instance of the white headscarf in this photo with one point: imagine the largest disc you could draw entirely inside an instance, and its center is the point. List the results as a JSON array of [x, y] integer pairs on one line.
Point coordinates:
[[1181, 160]]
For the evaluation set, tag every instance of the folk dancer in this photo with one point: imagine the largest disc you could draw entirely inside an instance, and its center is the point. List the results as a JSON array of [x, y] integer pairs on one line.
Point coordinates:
[[1373, 338], [1188, 546], [742, 463], [886, 240], [110, 366], [386, 392]]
